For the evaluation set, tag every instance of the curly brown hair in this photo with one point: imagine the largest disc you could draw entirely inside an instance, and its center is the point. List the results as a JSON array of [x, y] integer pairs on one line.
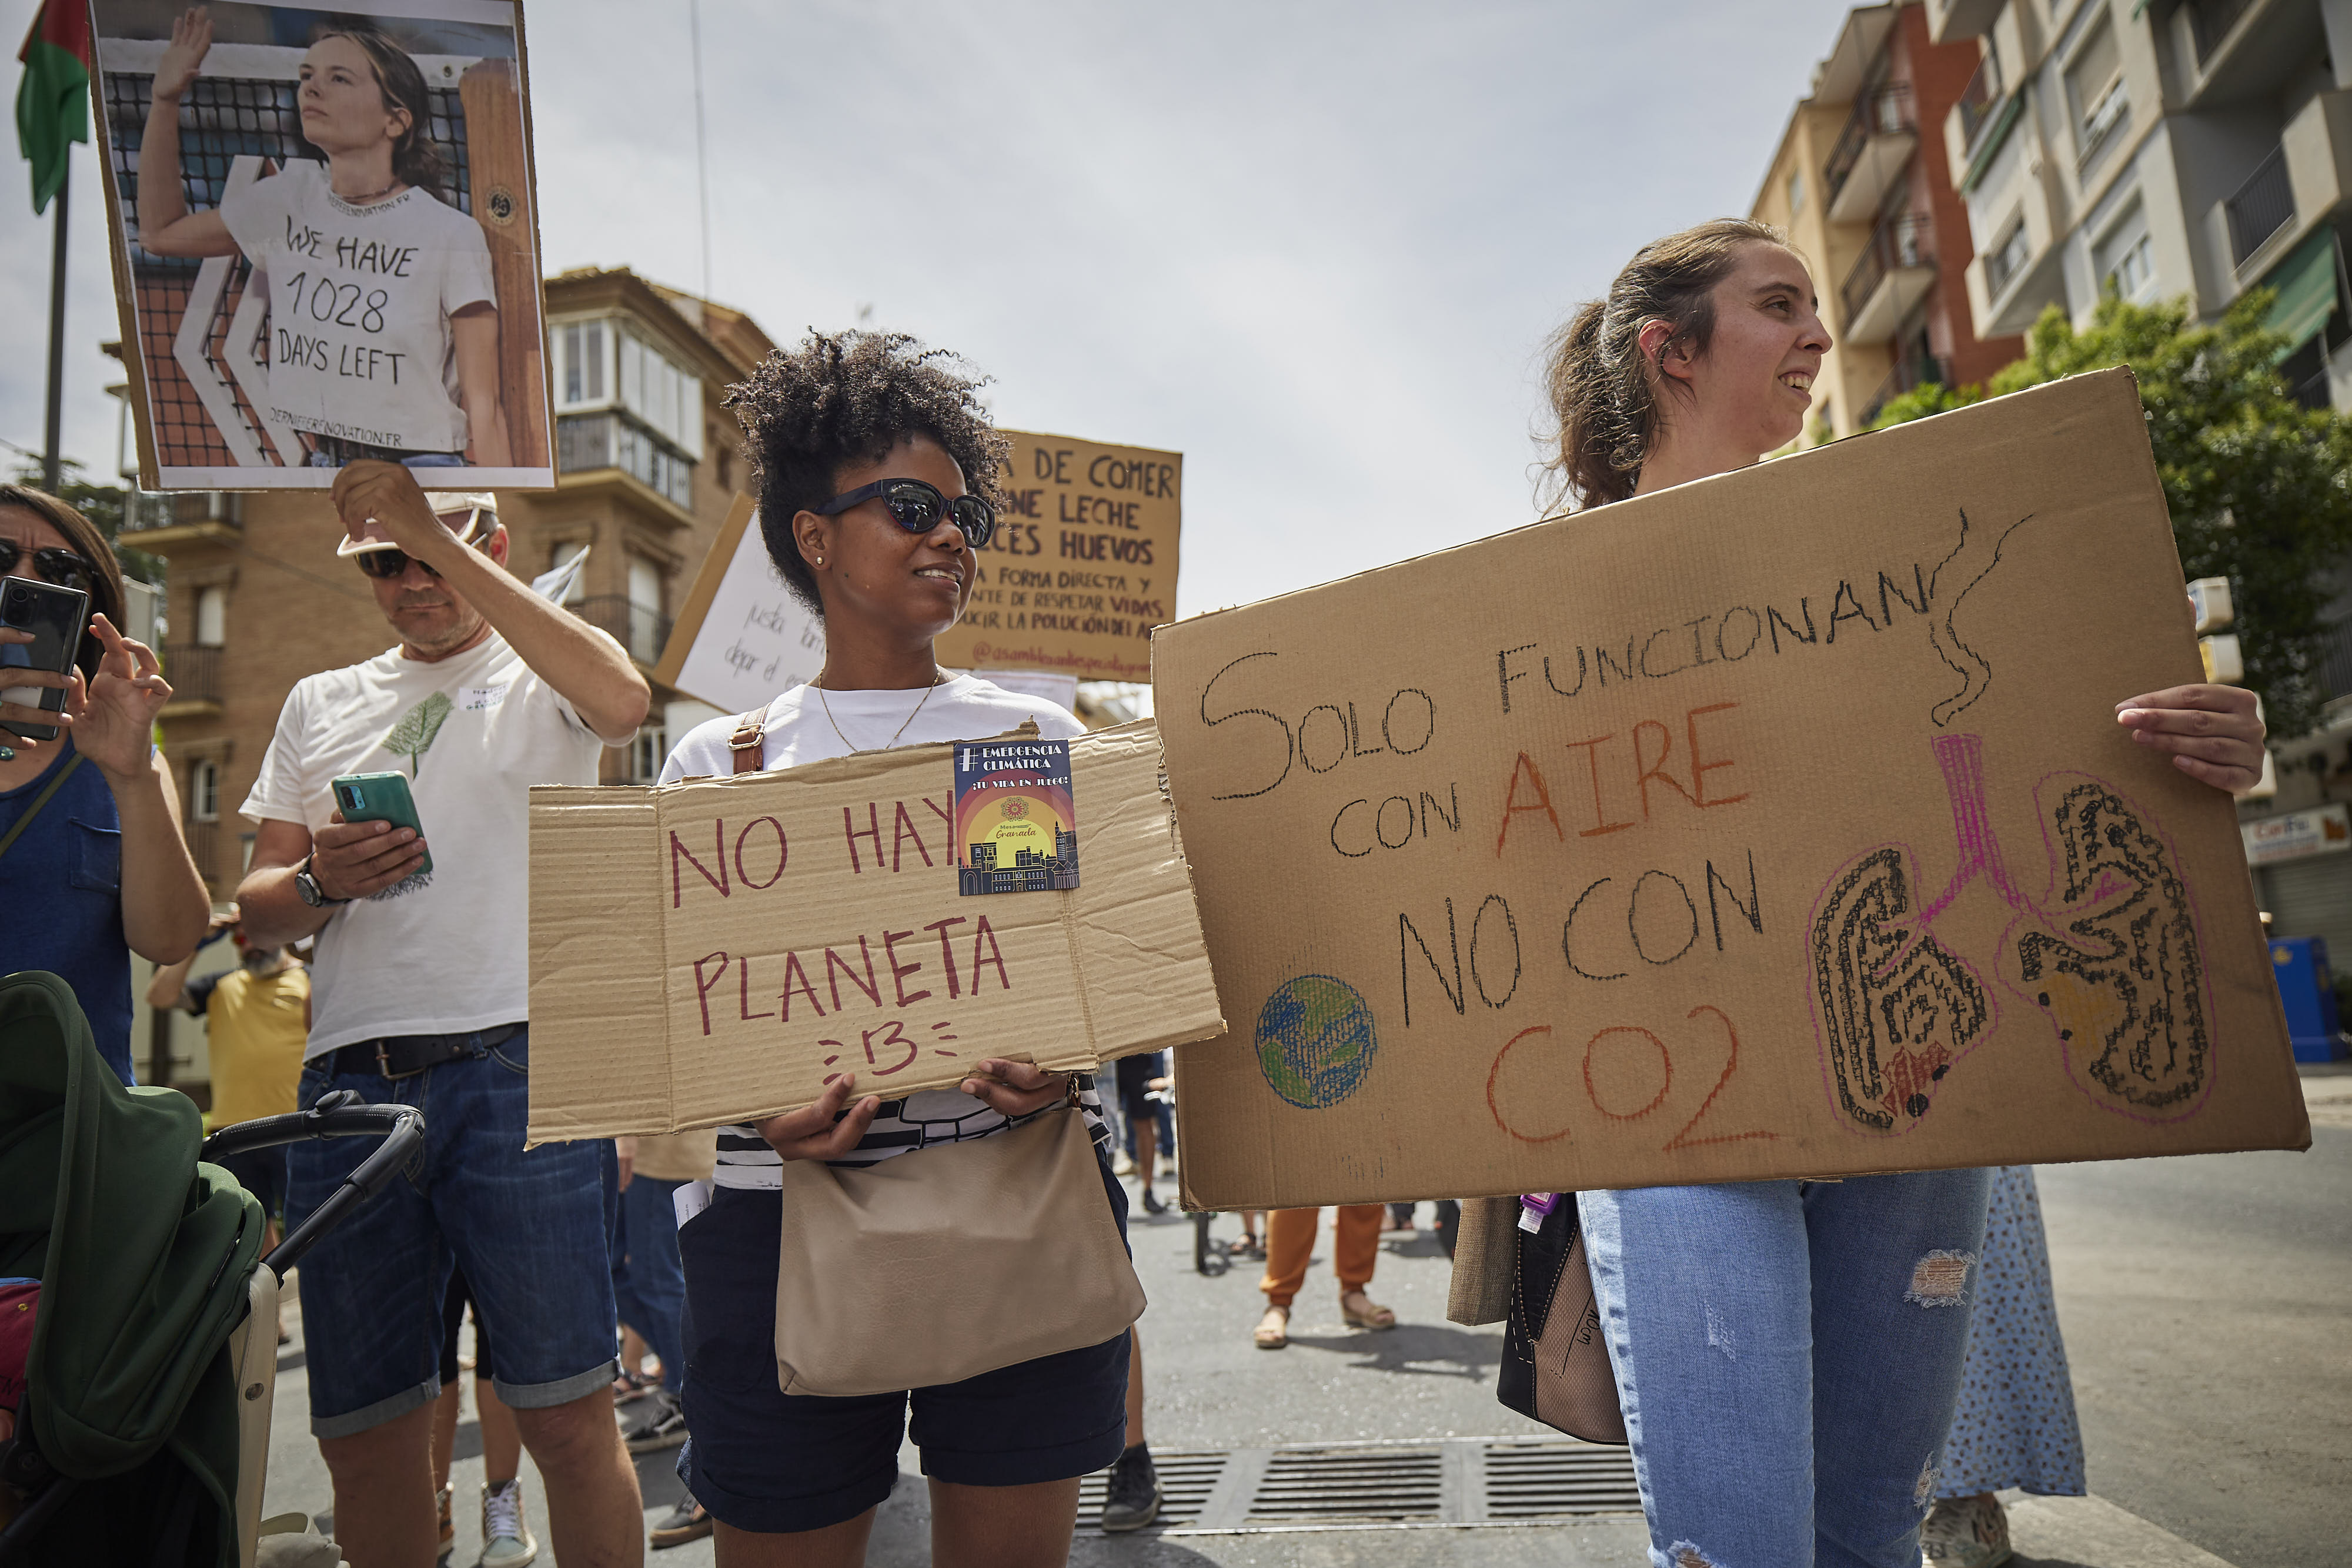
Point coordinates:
[[835, 401]]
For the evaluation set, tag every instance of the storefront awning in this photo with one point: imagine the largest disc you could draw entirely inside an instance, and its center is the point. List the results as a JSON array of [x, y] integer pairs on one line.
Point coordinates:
[[2306, 282]]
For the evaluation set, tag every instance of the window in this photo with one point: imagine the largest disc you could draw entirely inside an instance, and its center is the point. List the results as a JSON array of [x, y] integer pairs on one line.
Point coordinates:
[[1796, 192], [203, 791], [667, 398], [2125, 256], [646, 631], [212, 617], [2094, 90], [647, 752], [582, 346], [2007, 260]]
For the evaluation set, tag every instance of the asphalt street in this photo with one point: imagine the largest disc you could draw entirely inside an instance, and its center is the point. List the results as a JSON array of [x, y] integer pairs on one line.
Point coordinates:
[[2207, 1304]]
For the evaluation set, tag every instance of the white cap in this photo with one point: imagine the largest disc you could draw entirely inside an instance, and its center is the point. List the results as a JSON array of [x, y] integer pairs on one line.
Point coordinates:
[[479, 507]]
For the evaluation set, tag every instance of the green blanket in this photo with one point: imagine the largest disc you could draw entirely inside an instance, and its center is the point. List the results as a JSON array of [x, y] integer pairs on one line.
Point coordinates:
[[143, 1257]]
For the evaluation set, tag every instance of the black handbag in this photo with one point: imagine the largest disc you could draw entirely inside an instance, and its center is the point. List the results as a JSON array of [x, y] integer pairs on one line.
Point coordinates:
[[1555, 1361]]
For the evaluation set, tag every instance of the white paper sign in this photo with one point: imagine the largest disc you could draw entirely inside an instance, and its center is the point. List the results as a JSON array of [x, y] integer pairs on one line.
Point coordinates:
[[755, 639]]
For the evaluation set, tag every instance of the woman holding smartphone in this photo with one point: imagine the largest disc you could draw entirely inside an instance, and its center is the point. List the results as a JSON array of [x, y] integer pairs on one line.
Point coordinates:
[[877, 476], [96, 869], [383, 313], [1786, 1364]]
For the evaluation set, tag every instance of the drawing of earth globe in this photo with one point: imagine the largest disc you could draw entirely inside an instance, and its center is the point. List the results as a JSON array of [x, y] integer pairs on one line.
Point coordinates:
[[1315, 1040]]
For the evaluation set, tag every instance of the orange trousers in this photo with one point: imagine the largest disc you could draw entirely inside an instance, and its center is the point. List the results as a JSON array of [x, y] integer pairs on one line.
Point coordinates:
[[1290, 1240]]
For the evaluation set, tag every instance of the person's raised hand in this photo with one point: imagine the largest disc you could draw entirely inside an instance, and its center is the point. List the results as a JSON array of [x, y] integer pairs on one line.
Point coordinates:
[[2211, 733], [184, 57], [822, 1131], [114, 717], [352, 860], [389, 494], [1016, 1088]]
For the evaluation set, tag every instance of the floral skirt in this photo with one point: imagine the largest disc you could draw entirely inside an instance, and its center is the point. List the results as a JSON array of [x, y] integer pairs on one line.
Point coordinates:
[[2015, 1425]]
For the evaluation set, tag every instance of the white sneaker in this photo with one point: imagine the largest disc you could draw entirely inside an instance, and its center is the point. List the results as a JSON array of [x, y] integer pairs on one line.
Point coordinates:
[[1965, 1532], [507, 1540], [1121, 1164]]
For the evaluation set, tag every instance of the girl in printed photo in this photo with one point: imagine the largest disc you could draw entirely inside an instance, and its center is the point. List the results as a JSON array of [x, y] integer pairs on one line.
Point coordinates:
[[384, 315]]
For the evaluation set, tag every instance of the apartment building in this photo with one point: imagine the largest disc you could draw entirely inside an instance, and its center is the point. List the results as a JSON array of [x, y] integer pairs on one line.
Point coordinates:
[[2159, 148], [1860, 183], [649, 463]]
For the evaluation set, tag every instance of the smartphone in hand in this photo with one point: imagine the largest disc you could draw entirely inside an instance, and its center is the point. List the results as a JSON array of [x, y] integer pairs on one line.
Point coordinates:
[[55, 616], [381, 798]]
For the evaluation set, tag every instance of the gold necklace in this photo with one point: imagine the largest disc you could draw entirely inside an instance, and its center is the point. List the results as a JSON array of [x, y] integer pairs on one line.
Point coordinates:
[[938, 679]]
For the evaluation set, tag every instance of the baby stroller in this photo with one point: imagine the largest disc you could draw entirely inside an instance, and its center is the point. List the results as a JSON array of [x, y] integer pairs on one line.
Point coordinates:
[[142, 1435]]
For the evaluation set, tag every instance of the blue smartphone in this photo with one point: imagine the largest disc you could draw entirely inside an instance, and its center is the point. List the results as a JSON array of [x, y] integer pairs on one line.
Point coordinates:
[[381, 798]]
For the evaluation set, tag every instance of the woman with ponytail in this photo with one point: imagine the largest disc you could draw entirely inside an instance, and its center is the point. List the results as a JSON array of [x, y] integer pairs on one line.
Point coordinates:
[[1788, 1353]]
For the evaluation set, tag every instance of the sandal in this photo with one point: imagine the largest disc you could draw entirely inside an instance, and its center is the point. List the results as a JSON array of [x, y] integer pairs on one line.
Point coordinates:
[[1370, 1315], [1273, 1330], [633, 1386], [1251, 1247]]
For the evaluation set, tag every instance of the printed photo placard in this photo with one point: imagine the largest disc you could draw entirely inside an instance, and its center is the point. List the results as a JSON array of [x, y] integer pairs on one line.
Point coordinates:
[[325, 241]]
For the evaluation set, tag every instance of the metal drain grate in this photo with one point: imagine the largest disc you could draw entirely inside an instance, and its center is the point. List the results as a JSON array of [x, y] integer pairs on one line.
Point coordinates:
[[1546, 1479], [1327, 1484], [1459, 1482]]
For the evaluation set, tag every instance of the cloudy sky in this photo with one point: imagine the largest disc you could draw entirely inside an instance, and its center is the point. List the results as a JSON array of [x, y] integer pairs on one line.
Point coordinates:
[[1313, 246]]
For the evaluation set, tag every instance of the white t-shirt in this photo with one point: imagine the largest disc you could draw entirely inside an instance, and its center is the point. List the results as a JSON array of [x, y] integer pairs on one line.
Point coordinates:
[[800, 731], [447, 953], [359, 301]]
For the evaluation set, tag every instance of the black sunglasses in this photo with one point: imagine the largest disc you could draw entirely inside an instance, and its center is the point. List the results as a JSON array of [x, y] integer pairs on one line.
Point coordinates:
[[389, 563], [917, 508], [56, 564]]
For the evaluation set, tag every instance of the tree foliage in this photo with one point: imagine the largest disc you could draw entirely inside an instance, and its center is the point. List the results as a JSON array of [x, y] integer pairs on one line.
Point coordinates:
[[1929, 397], [2260, 488]]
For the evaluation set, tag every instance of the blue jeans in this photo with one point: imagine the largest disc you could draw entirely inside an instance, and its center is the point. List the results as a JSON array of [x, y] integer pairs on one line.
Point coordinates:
[[1787, 1355], [648, 1284], [526, 1225]]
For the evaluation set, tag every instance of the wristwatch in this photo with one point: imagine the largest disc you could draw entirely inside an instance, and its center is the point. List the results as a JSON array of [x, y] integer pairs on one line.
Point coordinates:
[[307, 885]]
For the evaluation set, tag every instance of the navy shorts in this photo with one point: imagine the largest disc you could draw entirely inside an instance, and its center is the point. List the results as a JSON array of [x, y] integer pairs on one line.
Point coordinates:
[[761, 1460], [261, 1172]]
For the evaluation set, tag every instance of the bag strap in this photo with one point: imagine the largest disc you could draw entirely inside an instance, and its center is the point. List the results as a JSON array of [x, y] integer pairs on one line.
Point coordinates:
[[749, 741], [40, 800]]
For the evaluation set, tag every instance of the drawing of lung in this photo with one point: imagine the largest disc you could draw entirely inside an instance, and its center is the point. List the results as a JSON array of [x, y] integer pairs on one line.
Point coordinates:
[[1895, 1009], [2113, 959]]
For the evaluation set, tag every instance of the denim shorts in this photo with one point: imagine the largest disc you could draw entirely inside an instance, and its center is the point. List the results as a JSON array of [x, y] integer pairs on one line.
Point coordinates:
[[526, 1226], [761, 1460]]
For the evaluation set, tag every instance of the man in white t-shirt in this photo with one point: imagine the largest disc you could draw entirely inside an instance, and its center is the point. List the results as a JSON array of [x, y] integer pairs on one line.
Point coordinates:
[[361, 301], [420, 998]]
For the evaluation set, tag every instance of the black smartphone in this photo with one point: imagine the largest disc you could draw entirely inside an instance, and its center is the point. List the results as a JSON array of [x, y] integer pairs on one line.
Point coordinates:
[[55, 616]]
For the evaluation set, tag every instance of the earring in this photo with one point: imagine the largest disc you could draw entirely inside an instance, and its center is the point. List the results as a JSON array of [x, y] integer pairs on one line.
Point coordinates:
[[819, 562]]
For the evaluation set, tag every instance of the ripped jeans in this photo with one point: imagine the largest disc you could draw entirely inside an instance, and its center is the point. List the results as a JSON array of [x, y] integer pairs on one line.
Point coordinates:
[[1787, 1355]]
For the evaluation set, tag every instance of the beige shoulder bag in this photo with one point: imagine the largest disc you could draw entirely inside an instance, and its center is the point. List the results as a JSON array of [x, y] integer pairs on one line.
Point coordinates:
[[939, 1265]]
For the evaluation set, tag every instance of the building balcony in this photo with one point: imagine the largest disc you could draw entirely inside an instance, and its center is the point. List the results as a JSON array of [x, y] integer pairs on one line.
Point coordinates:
[[1871, 153], [156, 522], [1908, 374], [2241, 52], [640, 629], [2307, 178], [2258, 212], [1896, 270], [1949, 21], [590, 443], [195, 674], [2018, 267]]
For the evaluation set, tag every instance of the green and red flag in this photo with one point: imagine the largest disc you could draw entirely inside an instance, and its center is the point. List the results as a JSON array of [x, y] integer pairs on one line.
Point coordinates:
[[53, 101]]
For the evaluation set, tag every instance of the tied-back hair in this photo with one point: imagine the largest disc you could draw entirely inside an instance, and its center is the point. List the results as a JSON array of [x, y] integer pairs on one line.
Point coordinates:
[[414, 160], [107, 594], [1604, 397], [836, 401]]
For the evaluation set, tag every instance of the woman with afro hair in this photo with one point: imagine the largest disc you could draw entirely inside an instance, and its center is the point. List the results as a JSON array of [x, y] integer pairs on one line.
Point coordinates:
[[877, 474]]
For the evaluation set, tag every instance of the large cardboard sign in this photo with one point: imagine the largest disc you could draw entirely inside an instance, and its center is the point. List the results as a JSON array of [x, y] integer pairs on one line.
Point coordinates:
[[1082, 565], [326, 245], [718, 950], [1775, 825]]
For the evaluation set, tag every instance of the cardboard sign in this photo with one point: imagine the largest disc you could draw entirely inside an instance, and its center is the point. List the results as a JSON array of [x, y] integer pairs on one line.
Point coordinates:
[[707, 952], [1082, 565], [297, 296], [741, 636], [1774, 825]]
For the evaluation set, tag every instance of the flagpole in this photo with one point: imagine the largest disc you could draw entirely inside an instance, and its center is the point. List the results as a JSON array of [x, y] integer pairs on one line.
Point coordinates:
[[50, 467]]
